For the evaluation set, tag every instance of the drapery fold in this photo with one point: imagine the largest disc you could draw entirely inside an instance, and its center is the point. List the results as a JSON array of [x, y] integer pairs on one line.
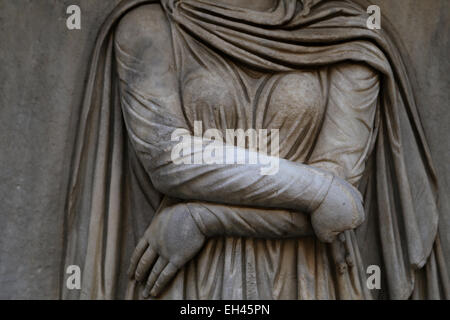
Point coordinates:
[[108, 189]]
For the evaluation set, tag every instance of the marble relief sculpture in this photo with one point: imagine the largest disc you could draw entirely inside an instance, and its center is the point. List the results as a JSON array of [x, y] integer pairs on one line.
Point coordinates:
[[354, 186]]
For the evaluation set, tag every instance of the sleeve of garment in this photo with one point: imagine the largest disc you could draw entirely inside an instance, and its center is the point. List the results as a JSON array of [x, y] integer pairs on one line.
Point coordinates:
[[152, 111], [347, 132]]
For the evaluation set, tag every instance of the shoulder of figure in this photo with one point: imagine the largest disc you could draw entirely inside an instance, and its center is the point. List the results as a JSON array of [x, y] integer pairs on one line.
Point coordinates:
[[354, 72], [144, 27]]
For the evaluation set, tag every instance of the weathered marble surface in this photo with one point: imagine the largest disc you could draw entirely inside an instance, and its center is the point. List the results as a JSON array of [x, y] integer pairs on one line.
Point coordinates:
[[43, 66]]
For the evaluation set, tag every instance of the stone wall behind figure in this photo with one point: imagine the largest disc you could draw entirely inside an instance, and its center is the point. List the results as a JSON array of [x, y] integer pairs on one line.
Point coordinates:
[[43, 66]]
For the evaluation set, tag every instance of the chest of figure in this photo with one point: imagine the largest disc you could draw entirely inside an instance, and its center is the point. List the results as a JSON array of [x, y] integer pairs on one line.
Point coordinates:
[[229, 97]]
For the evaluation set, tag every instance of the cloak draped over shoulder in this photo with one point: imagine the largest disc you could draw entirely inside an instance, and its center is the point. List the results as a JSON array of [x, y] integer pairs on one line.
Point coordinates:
[[110, 188]]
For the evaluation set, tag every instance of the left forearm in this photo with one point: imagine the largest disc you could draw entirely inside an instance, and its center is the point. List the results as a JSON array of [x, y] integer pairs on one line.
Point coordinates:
[[225, 220]]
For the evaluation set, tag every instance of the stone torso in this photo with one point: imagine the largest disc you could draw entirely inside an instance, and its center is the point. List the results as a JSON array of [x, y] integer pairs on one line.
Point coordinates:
[[227, 95]]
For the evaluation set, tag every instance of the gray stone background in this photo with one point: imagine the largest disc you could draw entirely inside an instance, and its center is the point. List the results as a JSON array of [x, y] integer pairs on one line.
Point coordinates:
[[43, 67]]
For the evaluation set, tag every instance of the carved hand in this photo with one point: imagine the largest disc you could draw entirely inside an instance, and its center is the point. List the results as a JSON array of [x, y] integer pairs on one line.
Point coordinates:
[[171, 240], [341, 210]]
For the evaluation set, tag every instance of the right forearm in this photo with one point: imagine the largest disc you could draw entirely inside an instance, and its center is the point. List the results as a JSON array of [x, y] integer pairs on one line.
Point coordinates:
[[294, 186]]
